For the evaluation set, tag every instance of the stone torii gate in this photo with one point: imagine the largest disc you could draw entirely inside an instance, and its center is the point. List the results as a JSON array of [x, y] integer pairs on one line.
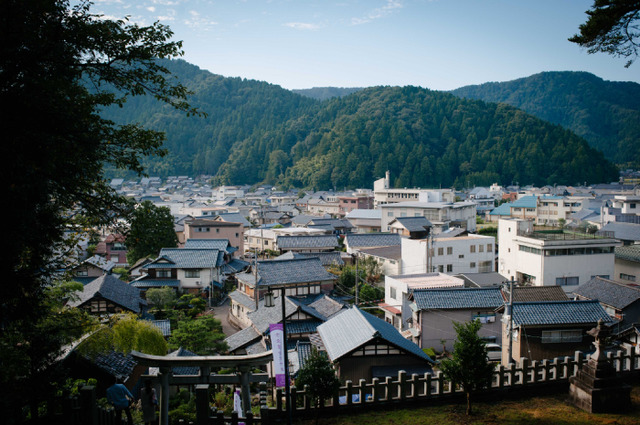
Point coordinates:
[[243, 376]]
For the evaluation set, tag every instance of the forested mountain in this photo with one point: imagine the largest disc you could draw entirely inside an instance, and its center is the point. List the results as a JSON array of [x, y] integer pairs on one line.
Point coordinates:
[[256, 132], [325, 93], [605, 113]]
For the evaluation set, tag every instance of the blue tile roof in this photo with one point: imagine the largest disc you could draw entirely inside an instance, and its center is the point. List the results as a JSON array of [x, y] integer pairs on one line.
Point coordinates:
[[558, 313], [219, 244], [502, 210], [186, 258], [463, 298], [283, 272], [525, 202]]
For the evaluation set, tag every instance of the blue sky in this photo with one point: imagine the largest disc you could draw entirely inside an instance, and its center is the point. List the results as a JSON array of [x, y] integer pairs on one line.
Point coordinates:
[[436, 44]]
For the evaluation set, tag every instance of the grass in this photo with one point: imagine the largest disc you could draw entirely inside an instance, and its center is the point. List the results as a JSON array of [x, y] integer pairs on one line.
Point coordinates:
[[550, 409]]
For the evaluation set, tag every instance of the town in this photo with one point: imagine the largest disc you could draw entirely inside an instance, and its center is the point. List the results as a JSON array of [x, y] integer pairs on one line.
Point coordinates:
[[376, 278]]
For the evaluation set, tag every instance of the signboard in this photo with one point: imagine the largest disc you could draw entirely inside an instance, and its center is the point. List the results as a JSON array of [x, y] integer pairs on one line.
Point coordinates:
[[277, 345]]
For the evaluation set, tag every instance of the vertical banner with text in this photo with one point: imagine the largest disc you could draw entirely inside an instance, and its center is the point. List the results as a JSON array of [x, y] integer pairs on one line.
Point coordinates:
[[277, 345]]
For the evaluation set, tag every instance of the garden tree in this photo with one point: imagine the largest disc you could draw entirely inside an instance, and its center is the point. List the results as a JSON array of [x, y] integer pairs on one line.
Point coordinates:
[[203, 335], [468, 365], [124, 333], [161, 299], [151, 228], [613, 27], [190, 306], [60, 65], [318, 378]]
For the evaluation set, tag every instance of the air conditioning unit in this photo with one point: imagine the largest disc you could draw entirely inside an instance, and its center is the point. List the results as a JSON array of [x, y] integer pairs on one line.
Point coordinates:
[[198, 283]]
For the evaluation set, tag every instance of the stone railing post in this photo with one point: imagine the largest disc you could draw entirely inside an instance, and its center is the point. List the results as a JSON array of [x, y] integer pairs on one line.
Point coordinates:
[[427, 385], [524, 370], [500, 372], [375, 389], [349, 395], [362, 385], [402, 385]]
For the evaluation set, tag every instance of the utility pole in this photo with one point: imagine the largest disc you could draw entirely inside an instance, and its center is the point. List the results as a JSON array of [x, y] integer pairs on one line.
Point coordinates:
[[510, 324], [356, 254]]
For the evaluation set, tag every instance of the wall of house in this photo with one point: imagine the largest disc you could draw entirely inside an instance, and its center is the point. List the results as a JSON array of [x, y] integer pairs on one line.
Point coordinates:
[[438, 325], [449, 255], [626, 271], [359, 367], [219, 230], [528, 343]]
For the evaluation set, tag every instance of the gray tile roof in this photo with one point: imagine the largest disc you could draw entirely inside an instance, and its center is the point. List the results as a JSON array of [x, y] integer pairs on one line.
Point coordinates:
[[234, 218], [183, 370], [628, 253], [414, 224], [185, 258], [327, 258], [307, 242], [155, 283], [537, 293], [113, 289], [462, 298], [608, 292], [623, 231], [388, 252], [353, 328], [370, 240], [283, 272], [558, 313], [219, 244], [242, 338]]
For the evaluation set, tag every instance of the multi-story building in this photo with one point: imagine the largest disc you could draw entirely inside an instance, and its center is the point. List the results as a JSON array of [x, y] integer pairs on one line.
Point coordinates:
[[383, 193], [622, 208], [559, 257], [467, 253], [440, 214], [213, 229]]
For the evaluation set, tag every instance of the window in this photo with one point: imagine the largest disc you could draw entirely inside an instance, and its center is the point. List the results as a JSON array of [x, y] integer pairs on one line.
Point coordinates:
[[556, 337], [449, 250], [441, 268], [440, 251], [489, 247], [567, 281], [392, 292], [192, 273], [472, 248], [472, 265], [163, 273], [480, 248], [484, 267], [627, 277], [449, 268]]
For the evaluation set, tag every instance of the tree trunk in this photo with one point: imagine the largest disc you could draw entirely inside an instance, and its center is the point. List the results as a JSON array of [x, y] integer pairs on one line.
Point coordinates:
[[468, 403]]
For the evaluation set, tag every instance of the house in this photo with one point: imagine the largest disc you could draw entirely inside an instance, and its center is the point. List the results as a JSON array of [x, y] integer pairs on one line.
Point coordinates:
[[193, 270], [109, 295], [384, 194], [388, 257], [449, 253], [435, 311], [359, 201], [441, 214], [114, 249], [307, 243], [362, 346], [398, 287], [411, 227], [233, 218], [300, 276], [357, 241], [550, 329], [628, 233], [92, 268], [622, 209], [303, 315], [328, 259], [263, 239], [215, 229], [559, 257], [627, 263], [365, 221], [335, 226], [621, 301]]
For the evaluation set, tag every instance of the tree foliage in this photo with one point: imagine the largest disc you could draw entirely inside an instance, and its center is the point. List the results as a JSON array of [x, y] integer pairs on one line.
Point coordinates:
[[468, 366], [203, 335], [613, 28], [318, 377], [151, 228], [60, 65]]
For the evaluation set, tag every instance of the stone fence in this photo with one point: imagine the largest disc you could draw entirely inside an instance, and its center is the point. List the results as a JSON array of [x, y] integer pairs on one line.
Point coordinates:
[[406, 389]]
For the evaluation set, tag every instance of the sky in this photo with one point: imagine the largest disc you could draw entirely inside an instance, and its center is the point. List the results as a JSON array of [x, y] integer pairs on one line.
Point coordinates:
[[435, 44]]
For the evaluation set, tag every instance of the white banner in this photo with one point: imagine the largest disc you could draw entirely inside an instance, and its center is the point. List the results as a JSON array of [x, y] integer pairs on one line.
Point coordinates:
[[277, 345]]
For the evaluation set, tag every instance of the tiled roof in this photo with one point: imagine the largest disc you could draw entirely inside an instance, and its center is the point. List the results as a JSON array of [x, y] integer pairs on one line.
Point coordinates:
[[364, 214], [302, 326], [163, 325], [623, 231], [283, 272], [460, 298], [327, 258], [537, 293], [186, 258], [558, 313], [370, 240], [353, 328], [115, 363], [183, 370], [234, 266], [234, 218], [113, 289], [414, 224], [502, 210], [243, 299], [155, 283], [387, 252], [219, 244], [307, 242], [608, 292], [242, 338], [529, 201], [628, 253]]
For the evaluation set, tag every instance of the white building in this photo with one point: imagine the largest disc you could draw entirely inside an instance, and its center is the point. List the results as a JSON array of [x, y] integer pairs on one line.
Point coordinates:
[[263, 239], [454, 255], [396, 289], [383, 193], [440, 214], [560, 258]]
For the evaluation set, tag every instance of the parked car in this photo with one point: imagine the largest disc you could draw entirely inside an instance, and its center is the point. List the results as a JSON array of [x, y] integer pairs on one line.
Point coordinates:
[[494, 352]]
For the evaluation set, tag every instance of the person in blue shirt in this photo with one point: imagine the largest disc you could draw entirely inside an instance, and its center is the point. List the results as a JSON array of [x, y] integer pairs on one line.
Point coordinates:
[[121, 398]]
